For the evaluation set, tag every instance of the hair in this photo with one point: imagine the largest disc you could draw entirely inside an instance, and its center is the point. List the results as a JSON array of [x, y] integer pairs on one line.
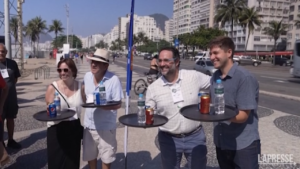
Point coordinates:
[[2, 44], [224, 43], [71, 65], [155, 57], [172, 49]]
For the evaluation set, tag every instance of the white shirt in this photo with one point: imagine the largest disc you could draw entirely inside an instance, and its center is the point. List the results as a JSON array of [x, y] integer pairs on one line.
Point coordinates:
[[159, 95]]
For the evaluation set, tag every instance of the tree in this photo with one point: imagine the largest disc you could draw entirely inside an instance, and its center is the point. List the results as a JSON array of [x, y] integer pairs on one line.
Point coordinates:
[[250, 19], [229, 11], [56, 27], [61, 40], [274, 30], [101, 44], [141, 37], [13, 24]]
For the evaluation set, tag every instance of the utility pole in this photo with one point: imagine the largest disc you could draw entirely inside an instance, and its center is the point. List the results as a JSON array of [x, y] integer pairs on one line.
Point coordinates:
[[20, 32], [7, 29], [67, 10]]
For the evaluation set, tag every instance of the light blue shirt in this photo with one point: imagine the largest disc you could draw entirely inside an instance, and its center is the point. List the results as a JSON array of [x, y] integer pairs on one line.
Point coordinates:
[[96, 118]]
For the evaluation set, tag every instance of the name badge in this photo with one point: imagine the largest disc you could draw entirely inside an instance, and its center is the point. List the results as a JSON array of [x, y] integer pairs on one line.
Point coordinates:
[[176, 93], [4, 73]]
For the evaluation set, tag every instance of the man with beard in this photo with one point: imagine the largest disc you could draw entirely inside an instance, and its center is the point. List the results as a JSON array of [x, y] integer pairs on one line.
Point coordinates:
[[237, 140], [99, 135], [172, 91]]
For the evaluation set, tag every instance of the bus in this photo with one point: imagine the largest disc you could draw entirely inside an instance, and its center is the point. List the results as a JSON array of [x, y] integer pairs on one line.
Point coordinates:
[[295, 70]]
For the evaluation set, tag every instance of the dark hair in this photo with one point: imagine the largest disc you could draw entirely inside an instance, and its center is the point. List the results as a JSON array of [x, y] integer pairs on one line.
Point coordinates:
[[71, 65], [223, 42], [172, 49], [155, 57]]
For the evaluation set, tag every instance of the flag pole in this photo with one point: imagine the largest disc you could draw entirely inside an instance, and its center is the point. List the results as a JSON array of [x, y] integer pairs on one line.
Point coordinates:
[[129, 76]]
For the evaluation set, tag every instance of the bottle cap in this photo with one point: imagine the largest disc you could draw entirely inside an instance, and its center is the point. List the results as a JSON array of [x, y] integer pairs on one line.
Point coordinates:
[[219, 81], [141, 95]]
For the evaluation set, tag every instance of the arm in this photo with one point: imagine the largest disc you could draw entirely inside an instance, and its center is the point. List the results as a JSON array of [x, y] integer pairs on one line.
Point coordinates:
[[117, 94], [4, 93], [83, 96], [203, 80], [16, 72], [49, 96], [246, 99], [149, 99]]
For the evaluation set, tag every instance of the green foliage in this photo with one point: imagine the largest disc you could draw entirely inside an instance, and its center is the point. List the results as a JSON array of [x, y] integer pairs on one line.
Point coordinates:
[[152, 47], [74, 41], [101, 44], [275, 30], [56, 27]]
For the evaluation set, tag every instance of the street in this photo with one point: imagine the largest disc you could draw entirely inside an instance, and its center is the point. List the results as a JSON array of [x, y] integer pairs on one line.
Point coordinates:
[[275, 79]]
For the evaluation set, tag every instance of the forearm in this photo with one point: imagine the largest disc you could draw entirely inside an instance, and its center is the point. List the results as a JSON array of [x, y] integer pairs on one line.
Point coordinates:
[[241, 117], [3, 97]]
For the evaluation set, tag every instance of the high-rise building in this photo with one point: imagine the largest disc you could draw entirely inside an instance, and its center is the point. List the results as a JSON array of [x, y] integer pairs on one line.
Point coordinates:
[[182, 16], [202, 13], [122, 26], [293, 30], [169, 30]]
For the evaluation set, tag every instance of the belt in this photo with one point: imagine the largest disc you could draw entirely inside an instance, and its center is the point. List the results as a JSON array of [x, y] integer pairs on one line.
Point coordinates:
[[185, 134]]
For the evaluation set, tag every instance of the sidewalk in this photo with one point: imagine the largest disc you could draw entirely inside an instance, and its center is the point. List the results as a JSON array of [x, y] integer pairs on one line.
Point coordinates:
[[278, 131]]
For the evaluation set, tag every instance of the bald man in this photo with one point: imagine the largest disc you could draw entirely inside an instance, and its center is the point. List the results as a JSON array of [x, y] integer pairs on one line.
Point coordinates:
[[10, 73]]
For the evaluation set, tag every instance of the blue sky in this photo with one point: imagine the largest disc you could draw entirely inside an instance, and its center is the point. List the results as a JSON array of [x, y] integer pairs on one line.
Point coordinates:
[[90, 16]]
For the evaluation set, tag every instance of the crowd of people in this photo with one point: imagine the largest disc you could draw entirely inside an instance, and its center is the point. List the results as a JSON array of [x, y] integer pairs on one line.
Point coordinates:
[[237, 140]]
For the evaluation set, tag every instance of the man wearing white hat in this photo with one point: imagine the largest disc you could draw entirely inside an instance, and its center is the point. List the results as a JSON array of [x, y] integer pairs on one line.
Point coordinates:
[[99, 135]]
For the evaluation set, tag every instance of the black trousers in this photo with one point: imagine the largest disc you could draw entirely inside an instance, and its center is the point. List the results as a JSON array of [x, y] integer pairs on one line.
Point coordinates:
[[63, 145], [246, 158]]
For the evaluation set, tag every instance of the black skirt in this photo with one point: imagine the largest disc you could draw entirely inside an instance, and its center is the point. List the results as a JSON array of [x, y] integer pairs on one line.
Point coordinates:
[[63, 145]]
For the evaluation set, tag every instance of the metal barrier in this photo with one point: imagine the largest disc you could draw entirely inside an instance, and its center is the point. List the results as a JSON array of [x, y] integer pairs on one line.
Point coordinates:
[[43, 70]]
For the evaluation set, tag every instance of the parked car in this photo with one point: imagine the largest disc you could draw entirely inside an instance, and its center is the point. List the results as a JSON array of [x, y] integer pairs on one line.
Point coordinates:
[[282, 61], [147, 57], [205, 66], [204, 54], [246, 60]]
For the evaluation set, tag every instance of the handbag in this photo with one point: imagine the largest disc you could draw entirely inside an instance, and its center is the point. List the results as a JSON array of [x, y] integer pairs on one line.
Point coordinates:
[[80, 126]]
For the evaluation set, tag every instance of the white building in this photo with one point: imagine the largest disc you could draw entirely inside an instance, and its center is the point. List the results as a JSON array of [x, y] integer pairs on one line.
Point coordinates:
[[107, 38], [96, 38], [293, 30], [169, 30], [123, 26], [115, 33], [202, 13], [182, 16]]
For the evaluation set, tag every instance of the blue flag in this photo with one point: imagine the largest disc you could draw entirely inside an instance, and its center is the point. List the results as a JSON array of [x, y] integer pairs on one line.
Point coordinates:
[[130, 51]]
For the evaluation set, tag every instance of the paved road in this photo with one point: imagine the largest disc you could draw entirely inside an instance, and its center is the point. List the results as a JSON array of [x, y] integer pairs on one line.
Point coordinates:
[[266, 74]]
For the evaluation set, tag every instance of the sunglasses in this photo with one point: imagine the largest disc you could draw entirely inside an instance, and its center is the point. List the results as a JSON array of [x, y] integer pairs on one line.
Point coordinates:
[[60, 70]]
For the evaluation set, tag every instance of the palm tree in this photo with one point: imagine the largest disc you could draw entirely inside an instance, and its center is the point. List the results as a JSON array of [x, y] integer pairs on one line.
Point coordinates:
[[297, 22], [250, 19], [141, 36], [13, 24], [274, 30], [30, 32], [56, 27], [229, 11]]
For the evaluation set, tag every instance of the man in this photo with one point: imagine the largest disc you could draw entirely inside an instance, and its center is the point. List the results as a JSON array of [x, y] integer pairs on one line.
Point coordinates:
[[4, 158], [10, 72], [237, 140], [100, 123], [172, 91]]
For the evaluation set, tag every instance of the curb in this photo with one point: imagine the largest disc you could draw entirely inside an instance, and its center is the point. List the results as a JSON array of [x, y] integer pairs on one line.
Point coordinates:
[[279, 95]]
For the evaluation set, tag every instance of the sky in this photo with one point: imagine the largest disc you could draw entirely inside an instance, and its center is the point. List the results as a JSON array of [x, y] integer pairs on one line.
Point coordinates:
[[87, 17]]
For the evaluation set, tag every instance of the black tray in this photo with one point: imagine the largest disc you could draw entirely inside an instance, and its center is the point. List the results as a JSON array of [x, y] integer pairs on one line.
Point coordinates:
[[65, 114], [131, 120], [192, 112], [92, 105]]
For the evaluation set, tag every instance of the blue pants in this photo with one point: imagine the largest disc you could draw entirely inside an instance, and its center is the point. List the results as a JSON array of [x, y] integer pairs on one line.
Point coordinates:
[[246, 158], [193, 147]]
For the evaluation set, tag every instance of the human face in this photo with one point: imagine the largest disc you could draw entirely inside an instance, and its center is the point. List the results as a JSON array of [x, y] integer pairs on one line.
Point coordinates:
[[64, 72], [98, 67], [166, 63], [220, 57], [3, 52]]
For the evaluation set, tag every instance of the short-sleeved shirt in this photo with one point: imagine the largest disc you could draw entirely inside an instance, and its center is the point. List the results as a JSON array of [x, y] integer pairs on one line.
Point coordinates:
[[159, 95], [241, 90], [14, 74], [97, 118]]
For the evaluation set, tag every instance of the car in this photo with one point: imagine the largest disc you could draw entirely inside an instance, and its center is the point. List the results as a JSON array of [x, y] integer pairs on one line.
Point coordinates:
[[204, 54], [202, 58], [282, 61], [205, 66], [147, 57], [246, 60]]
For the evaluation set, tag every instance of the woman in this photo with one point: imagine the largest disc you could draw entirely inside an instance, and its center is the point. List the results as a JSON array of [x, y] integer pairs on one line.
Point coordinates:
[[153, 66], [64, 137]]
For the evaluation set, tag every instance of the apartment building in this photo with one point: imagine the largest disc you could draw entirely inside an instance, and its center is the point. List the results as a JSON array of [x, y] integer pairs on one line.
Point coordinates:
[[182, 16], [202, 13], [122, 26], [169, 30], [293, 30]]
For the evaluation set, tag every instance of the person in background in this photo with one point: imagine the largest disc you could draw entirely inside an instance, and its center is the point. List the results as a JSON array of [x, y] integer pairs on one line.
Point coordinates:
[[237, 140], [168, 94], [64, 137], [81, 57], [4, 158], [153, 66], [100, 123], [10, 73]]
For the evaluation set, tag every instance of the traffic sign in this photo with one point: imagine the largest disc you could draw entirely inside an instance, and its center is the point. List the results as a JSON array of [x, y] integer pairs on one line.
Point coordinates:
[[176, 42]]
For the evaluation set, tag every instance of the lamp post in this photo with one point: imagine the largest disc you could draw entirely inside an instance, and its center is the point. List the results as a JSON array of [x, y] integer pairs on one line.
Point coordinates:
[[6, 22], [20, 32], [67, 10]]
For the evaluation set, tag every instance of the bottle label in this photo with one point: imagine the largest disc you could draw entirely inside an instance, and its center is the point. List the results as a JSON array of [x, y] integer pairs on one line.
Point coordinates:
[[141, 103], [101, 89], [219, 90]]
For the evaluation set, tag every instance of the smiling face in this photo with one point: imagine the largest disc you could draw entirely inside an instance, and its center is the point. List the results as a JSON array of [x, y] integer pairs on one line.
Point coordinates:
[[167, 63], [98, 67], [220, 57], [3, 52], [65, 72]]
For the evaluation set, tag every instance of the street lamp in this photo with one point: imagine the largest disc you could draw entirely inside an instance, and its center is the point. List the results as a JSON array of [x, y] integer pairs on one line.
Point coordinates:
[[67, 10]]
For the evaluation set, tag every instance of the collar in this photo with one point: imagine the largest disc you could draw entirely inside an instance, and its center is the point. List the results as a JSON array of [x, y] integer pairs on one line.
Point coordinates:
[[165, 82], [230, 72]]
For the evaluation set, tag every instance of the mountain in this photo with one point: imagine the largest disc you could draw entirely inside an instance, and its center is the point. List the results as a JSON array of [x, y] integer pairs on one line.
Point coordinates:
[[160, 20]]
